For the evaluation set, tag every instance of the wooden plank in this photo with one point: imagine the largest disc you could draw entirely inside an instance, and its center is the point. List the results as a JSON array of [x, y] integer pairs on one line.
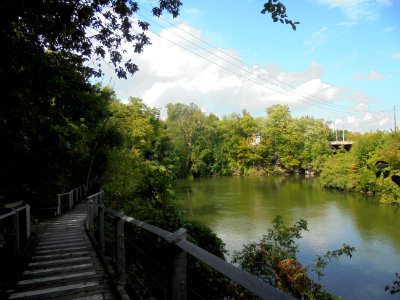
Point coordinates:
[[61, 250], [60, 255], [53, 278], [58, 269], [76, 244], [59, 289], [64, 265], [58, 261]]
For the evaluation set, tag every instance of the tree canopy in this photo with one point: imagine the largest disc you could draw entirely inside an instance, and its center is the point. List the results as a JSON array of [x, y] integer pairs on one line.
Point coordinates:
[[50, 113]]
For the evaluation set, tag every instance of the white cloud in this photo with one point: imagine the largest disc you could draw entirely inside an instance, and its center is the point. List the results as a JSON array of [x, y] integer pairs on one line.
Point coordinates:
[[370, 76], [215, 80], [363, 120], [395, 56], [361, 107], [358, 10], [360, 96], [193, 12], [389, 29], [316, 39]]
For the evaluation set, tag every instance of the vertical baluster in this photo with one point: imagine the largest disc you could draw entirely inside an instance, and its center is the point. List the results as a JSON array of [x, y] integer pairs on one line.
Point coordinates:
[[102, 238], [120, 248], [16, 232], [28, 221]]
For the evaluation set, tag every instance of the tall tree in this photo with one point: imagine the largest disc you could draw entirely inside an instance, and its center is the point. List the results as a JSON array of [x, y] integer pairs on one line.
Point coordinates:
[[183, 123], [284, 134], [45, 116], [47, 48], [315, 136]]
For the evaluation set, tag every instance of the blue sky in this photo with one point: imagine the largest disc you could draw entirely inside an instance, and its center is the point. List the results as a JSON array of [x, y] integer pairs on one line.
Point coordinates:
[[342, 63]]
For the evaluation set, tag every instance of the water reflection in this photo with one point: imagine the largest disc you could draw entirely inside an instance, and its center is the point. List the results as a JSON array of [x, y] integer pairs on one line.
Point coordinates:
[[241, 209]]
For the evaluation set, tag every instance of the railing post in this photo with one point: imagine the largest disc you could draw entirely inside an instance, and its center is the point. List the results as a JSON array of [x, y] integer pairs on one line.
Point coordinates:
[[81, 192], [58, 212], [102, 238], [16, 231], [28, 221], [70, 200], [89, 208], [178, 267], [120, 248]]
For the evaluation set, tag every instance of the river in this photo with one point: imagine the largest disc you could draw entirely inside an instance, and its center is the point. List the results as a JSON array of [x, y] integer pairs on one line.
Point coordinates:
[[240, 209]]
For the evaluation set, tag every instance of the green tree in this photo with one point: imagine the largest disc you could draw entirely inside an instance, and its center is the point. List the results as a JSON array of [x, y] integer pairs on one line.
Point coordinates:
[[340, 172], [274, 260], [284, 134], [47, 47], [45, 123], [140, 181], [206, 148], [388, 179], [183, 125], [315, 135], [49, 108]]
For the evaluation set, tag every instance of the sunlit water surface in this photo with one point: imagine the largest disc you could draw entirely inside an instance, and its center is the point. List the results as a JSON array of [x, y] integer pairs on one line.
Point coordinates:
[[241, 209]]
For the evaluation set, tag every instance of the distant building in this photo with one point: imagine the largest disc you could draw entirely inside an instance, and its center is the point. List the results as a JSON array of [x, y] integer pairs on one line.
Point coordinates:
[[256, 139]]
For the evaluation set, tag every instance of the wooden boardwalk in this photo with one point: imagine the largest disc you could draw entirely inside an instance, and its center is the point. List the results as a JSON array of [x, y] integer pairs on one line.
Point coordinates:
[[64, 264]]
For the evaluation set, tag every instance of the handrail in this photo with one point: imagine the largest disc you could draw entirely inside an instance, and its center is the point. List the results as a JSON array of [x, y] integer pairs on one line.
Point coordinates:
[[74, 196], [178, 238], [16, 228]]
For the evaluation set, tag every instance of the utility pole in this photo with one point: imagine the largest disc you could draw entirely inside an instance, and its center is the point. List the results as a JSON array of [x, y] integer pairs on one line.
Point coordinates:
[[394, 118], [343, 134]]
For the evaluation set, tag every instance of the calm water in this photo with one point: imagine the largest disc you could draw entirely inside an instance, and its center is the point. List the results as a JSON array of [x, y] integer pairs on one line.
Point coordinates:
[[240, 210]]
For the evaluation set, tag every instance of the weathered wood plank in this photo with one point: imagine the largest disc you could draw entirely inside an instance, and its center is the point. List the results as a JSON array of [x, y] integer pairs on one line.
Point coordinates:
[[64, 265], [58, 289]]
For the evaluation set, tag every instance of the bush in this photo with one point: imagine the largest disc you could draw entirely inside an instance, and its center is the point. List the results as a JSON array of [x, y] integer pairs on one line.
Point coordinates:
[[274, 260]]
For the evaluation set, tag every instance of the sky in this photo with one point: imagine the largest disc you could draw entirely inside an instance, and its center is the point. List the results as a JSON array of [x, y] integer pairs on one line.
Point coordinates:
[[342, 64]]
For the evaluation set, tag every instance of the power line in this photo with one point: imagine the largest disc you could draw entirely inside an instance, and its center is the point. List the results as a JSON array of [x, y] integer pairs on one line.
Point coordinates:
[[251, 70], [280, 84]]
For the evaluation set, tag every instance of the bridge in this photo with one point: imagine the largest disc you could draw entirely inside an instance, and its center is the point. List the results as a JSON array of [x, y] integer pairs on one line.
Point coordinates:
[[94, 252], [339, 144]]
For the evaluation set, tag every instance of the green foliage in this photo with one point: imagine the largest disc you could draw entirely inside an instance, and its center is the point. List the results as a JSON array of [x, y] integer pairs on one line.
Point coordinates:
[[357, 169], [315, 135], [274, 260], [395, 288], [278, 12], [365, 146], [51, 118], [201, 277], [340, 172], [279, 244], [84, 30], [183, 125], [48, 120], [204, 145], [284, 134], [321, 261]]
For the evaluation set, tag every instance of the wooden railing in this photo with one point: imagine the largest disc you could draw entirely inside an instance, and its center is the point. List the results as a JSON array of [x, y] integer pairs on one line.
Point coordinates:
[[177, 276], [67, 201], [20, 229]]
